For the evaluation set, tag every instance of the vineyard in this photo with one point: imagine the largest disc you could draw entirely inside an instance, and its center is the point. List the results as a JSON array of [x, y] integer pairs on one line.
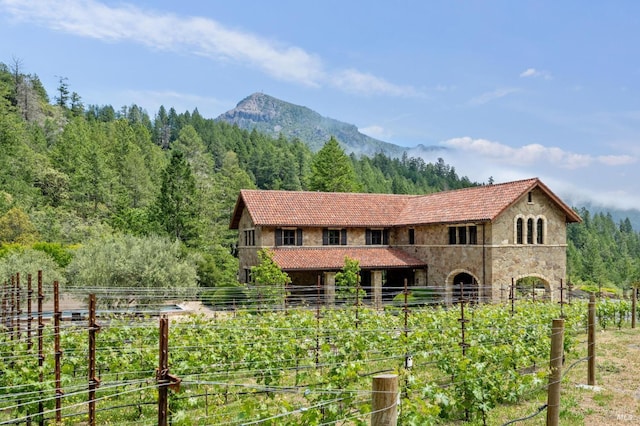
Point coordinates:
[[275, 365]]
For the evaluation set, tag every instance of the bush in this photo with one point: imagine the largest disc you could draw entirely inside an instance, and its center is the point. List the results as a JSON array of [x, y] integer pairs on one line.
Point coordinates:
[[61, 255], [130, 269], [29, 261], [224, 297]]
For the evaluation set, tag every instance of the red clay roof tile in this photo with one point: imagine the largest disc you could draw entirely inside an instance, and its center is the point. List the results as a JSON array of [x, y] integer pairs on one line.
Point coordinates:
[[324, 258], [331, 209]]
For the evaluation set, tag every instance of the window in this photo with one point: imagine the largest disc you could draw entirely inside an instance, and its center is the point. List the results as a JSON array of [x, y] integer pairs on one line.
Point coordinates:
[[540, 232], [247, 275], [250, 237], [288, 237], [473, 235], [452, 235], [529, 231], [519, 239], [412, 236], [377, 237], [462, 235], [530, 197], [334, 237]]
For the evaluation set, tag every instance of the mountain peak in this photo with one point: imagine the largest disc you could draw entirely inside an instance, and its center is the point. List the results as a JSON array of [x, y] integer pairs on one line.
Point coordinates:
[[274, 117]]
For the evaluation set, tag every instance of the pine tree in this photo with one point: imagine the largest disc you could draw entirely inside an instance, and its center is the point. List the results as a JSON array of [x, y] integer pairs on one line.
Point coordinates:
[[176, 209], [332, 170]]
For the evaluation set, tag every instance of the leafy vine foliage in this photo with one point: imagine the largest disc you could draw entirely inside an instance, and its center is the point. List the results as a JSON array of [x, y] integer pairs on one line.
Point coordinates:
[[295, 367]]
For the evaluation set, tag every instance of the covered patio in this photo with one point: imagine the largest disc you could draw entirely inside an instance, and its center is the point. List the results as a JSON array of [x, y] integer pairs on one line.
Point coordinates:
[[382, 271]]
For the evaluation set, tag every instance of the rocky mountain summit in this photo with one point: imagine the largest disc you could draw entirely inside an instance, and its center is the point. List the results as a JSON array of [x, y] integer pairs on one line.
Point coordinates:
[[275, 117]]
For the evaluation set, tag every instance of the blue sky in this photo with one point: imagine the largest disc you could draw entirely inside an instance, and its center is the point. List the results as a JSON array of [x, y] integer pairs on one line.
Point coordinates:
[[516, 89]]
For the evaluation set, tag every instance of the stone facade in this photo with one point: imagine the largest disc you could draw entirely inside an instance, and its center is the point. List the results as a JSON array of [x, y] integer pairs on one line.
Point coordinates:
[[526, 239]]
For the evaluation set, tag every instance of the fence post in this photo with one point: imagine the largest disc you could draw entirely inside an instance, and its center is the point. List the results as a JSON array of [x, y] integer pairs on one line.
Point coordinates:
[[591, 341], [163, 366], [384, 400], [18, 309], [555, 364], [29, 313], [513, 297], [57, 351], [93, 381], [634, 297], [165, 380], [40, 350]]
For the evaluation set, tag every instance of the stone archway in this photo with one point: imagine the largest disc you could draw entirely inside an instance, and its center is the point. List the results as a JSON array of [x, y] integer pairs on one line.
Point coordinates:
[[533, 287], [464, 285]]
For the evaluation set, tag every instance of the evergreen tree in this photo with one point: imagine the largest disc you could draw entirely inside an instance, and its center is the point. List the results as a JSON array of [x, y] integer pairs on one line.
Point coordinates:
[[175, 209], [332, 170]]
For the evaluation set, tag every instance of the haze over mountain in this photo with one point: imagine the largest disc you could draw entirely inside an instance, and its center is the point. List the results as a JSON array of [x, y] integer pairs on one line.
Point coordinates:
[[276, 117]]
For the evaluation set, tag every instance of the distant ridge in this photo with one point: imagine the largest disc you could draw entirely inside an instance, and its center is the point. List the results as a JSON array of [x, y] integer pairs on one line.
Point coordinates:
[[273, 117]]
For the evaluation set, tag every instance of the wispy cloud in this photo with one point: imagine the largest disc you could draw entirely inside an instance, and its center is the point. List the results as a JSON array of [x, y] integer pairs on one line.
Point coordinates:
[[363, 83], [534, 153], [376, 131], [533, 73], [197, 36], [493, 95], [575, 177]]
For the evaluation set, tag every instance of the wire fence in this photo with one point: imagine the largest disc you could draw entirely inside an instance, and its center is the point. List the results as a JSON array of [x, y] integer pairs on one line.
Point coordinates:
[[273, 359]]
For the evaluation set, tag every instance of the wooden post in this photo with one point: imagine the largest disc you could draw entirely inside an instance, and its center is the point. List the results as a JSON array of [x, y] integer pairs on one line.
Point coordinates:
[[29, 312], [513, 297], [384, 400], [591, 341], [555, 364], [634, 297], [18, 309], [57, 351], [163, 370], [12, 320], [93, 381], [40, 350]]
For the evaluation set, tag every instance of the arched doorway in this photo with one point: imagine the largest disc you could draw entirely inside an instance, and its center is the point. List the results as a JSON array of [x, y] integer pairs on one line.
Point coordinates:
[[465, 287], [533, 288]]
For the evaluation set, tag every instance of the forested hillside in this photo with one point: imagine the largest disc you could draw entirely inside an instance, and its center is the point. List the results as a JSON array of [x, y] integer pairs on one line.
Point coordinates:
[[80, 183]]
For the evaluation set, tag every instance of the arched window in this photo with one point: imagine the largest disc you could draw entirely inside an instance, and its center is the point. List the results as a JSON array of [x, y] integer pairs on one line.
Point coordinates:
[[529, 231], [540, 232], [519, 239]]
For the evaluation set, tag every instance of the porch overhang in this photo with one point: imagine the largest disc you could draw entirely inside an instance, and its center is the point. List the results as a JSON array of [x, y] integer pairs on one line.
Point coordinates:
[[332, 258]]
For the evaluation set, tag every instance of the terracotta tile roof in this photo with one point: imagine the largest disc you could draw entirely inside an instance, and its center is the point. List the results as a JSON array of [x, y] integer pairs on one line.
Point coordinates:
[[327, 209], [480, 203], [301, 208], [323, 258]]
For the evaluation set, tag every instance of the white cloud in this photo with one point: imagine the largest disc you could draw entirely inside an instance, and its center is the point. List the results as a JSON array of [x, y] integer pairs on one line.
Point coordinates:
[[376, 131], [532, 72], [577, 178], [616, 160], [197, 36], [355, 81], [492, 96], [532, 153]]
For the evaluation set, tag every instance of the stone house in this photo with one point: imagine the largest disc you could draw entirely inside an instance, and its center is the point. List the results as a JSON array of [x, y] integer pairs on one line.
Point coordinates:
[[470, 242]]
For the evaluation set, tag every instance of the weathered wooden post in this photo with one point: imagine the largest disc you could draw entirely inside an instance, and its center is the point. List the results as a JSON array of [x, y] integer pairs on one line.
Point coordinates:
[[94, 382], [384, 400], [57, 316], [555, 364], [634, 313], [163, 370], [591, 341], [40, 351]]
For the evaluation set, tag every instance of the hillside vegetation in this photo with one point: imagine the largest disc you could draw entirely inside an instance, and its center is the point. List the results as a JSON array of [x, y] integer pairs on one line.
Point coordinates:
[[75, 175]]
